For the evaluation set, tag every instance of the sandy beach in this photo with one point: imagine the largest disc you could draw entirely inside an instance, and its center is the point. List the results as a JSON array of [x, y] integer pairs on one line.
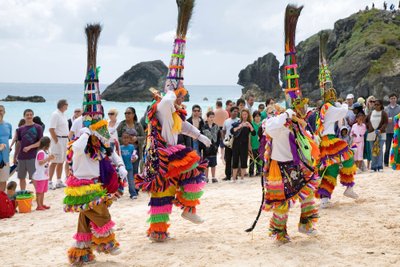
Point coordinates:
[[365, 232]]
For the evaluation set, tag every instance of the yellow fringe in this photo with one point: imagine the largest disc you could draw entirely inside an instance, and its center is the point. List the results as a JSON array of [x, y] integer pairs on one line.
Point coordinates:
[[349, 171], [330, 179], [170, 191], [98, 125], [177, 128], [82, 190]]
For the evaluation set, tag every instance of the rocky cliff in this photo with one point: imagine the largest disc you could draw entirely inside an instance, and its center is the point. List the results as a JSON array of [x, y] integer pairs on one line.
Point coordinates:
[[261, 78], [133, 85], [363, 56]]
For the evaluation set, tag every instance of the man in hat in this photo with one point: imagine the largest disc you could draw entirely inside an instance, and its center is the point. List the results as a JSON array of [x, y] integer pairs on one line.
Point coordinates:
[[350, 118]]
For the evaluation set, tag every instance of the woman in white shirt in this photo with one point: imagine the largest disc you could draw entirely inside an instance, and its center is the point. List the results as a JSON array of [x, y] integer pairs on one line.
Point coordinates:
[[112, 128], [376, 122]]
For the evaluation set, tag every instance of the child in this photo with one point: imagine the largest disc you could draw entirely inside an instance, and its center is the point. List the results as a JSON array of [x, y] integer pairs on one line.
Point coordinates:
[[357, 132], [344, 134], [255, 161], [129, 155], [41, 175], [211, 130], [12, 192]]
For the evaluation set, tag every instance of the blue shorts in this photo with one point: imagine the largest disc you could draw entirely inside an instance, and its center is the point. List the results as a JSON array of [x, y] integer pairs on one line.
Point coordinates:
[[212, 161]]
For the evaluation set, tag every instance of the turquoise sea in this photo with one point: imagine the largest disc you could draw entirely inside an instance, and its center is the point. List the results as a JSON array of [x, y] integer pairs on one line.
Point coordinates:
[[74, 94]]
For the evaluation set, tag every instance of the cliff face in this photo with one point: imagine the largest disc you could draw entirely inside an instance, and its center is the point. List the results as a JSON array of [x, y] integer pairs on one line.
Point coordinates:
[[261, 77], [363, 56], [134, 84]]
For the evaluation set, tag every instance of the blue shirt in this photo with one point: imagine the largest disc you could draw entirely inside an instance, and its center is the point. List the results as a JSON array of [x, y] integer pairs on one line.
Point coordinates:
[[5, 135], [126, 153]]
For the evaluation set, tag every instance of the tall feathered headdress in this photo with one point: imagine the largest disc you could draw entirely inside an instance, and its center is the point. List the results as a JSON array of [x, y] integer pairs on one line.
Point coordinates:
[[325, 78], [175, 70], [292, 89], [93, 112]]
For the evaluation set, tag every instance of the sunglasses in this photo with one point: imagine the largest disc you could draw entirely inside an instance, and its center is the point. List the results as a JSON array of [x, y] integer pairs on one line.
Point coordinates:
[[111, 114], [196, 110], [127, 113]]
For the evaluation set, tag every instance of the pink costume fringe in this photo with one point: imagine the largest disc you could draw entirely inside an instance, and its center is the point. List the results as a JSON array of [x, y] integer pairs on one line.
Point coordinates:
[[72, 181], [194, 187], [160, 209], [83, 237], [103, 229]]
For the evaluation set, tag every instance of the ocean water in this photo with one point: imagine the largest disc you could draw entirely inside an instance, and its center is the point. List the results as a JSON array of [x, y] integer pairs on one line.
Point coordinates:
[[205, 96]]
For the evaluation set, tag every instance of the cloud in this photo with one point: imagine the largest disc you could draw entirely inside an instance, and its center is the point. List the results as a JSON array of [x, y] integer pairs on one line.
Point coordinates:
[[44, 39]]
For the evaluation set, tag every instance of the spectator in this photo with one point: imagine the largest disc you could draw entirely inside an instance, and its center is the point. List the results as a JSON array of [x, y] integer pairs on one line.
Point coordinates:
[[350, 117], [270, 102], [41, 175], [228, 106], [59, 131], [212, 131], [227, 136], [130, 157], [77, 114], [197, 122], [38, 121], [112, 128], [261, 108], [357, 133], [241, 104], [357, 108], [28, 137], [392, 110], [376, 123], [255, 160], [370, 103], [240, 148], [15, 140], [221, 115], [132, 126], [250, 102], [5, 136], [344, 134]]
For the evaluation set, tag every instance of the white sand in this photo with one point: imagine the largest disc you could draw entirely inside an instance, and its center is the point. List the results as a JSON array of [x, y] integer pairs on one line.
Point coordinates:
[[365, 232]]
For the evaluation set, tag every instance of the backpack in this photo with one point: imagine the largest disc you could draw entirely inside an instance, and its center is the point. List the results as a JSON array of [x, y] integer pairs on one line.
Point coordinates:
[[7, 208]]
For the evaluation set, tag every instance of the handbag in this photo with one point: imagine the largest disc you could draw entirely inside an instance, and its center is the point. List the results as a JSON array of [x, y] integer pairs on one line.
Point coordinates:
[[228, 141]]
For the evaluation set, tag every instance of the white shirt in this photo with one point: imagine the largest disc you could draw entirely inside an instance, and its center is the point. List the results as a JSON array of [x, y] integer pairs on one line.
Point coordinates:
[[275, 127], [376, 117], [228, 125], [59, 122], [41, 171], [165, 109], [113, 131], [332, 115], [83, 167], [77, 126]]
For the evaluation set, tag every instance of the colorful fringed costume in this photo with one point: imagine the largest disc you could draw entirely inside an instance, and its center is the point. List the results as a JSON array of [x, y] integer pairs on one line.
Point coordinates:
[[336, 155], [172, 173], [290, 173], [93, 179], [395, 151]]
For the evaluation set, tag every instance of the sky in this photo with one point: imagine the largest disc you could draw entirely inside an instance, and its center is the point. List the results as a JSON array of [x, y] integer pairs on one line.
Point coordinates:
[[43, 41]]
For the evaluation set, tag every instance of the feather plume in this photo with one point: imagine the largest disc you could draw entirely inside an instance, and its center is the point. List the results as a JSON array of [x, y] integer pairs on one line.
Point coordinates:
[[323, 41], [325, 74], [92, 35], [291, 16], [185, 11]]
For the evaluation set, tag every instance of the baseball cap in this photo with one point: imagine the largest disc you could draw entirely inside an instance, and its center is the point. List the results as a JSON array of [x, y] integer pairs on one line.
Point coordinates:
[[350, 96]]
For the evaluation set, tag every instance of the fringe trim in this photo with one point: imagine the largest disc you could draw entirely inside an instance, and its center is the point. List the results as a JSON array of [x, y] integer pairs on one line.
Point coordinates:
[[103, 240], [160, 209], [83, 190], [159, 236], [192, 188], [158, 228], [87, 206], [182, 201], [106, 247], [78, 255], [83, 245], [158, 218], [79, 200], [83, 237], [102, 231], [72, 181]]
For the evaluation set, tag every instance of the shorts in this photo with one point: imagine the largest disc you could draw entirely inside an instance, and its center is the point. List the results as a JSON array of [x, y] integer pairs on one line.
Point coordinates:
[[5, 173], [212, 161], [41, 186], [26, 166], [59, 150]]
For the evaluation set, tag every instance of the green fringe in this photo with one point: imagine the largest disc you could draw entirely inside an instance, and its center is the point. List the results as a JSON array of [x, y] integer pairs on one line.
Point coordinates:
[[192, 195], [78, 200], [158, 218], [194, 166]]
